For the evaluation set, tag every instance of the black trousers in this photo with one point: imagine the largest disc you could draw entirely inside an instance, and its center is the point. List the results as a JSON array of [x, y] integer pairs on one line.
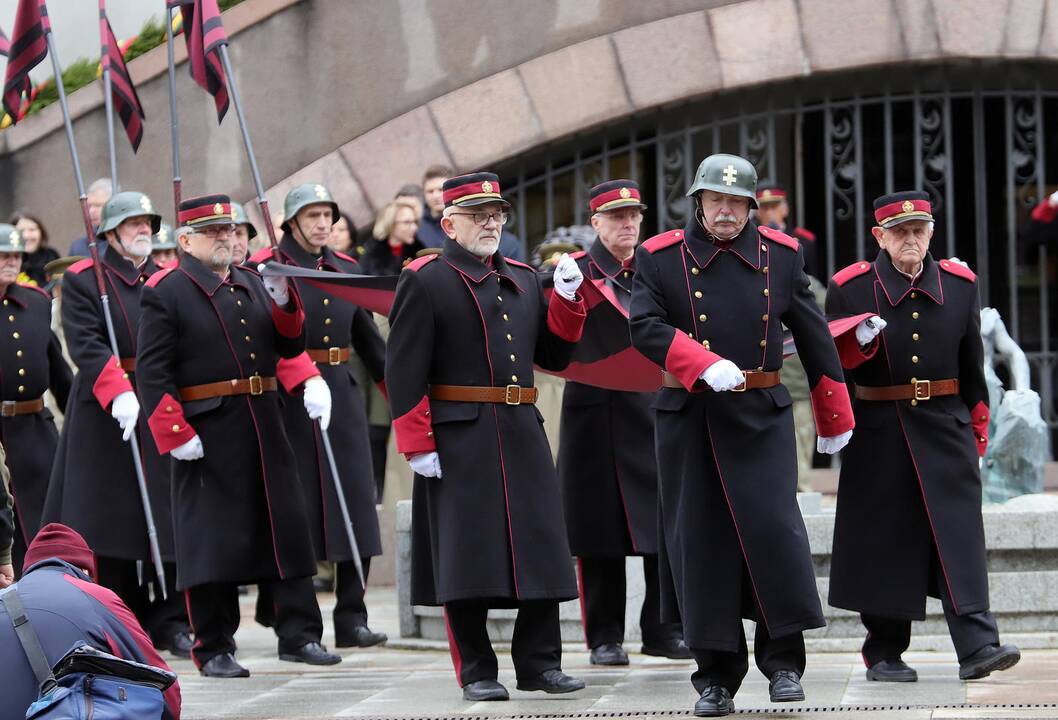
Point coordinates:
[[728, 669], [602, 602], [378, 435], [160, 618], [535, 647], [290, 608], [350, 612]]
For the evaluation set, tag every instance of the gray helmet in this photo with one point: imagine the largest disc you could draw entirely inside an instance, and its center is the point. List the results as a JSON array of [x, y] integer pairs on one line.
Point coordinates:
[[164, 239], [239, 217], [126, 205], [303, 196], [11, 239], [728, 174]]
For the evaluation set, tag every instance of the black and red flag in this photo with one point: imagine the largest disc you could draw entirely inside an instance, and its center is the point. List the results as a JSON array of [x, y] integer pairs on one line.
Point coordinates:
[[126, 100], [204, 34], [29, 45]]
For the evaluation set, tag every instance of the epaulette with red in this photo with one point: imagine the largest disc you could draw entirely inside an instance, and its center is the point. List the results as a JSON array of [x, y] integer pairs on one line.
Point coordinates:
[[958, 270], [664, 240], [520, 264], [778, 236], [153, 280], [854, 270], [80, 266], [347, 258], [262, 255], [804, 234], [579, 254], [418, 263], [36, 289]]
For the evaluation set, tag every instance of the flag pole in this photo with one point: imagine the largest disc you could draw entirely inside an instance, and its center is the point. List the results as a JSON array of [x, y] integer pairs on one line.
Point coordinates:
[[262, 202], [108, 100], [174, 131], [152, 531]]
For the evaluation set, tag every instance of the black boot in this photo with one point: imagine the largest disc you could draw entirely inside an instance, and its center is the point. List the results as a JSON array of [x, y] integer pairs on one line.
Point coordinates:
[[891, 671], [609, 654], [485, 691], [987, 660], [312, 653], [552, 681], [715, 702], [785, 686]]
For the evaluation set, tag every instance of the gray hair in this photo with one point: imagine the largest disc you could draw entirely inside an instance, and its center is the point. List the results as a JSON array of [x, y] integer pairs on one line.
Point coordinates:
[[183, 231], [102, 185]]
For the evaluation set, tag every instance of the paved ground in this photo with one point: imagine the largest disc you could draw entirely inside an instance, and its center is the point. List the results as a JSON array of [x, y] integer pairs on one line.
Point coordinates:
[[421, 683]]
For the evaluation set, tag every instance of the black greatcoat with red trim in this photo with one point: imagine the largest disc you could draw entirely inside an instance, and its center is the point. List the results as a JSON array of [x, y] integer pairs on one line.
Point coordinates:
[[910, 485], [331, 322], [93, 485], [606, 461], [492, 526], [31, 363], [238, 512], [727, 469]]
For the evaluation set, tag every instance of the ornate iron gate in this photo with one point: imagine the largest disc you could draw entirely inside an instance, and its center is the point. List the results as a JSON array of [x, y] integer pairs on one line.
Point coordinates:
[[972, 135]]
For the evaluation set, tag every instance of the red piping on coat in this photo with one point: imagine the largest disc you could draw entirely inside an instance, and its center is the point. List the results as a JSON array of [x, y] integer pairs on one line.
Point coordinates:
[[191, 623], [583, 607], [453, 649]]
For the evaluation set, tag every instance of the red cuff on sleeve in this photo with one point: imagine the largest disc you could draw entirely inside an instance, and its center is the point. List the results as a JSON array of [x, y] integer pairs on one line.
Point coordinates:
[[293, 372], [168, 425], [1045, 212], [849, 351], [414, 430], [979, 418], [831, 408], [112, 381], [565, 318], [687, 360], [288, 323], [381, 385]]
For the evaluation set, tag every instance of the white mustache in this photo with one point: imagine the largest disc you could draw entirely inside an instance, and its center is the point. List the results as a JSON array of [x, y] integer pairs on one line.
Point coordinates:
[[726, 218]]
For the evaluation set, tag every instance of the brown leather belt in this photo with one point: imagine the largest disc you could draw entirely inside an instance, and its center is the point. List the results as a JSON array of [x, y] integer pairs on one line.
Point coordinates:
[[330, 356], [254, 385], [10, 408], [915, 390], [128, 364], [510, 395], [754, 379]]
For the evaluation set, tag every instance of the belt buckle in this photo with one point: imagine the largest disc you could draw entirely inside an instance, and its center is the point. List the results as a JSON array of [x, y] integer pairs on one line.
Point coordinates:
[[741, 388], [334, 356], [256, 385], [7, 408], [917, 387], [512, 395]]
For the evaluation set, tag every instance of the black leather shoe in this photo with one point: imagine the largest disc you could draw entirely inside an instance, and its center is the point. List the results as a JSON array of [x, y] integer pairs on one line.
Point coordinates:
[[785, 686], [224, 666], [485, 691], [609, 654], [312, 653], [892, 671], [673, 648], [552, 681], [987, 660], [360, 636], [715, 702], [179, 644]]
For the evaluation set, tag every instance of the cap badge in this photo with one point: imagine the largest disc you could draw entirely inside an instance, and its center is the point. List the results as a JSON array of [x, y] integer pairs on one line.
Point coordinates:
[[766, 194], [321, 192], [14, 238], [486, 187], [233, 215], [145, 203], [163, 235], [625, 193], [729, 175], [218, 209], [908, 206]]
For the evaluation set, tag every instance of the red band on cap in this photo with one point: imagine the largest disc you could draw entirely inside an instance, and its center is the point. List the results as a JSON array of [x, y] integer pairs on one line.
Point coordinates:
[[206, 212], [485, 188], [616, 196], [771, 194], [902, 208]]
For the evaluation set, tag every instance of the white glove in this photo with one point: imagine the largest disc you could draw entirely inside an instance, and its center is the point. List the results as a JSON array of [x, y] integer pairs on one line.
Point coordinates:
[[125, 409], [426, 464], [317, 399], [1053, 199], [868, 330], [830, 445], [276, 285], [191, 450], [723, 375], [568, 277]]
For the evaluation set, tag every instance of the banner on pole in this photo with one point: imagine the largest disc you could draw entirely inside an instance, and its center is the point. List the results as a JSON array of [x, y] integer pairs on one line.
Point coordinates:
[[28, 47], [204, 34]]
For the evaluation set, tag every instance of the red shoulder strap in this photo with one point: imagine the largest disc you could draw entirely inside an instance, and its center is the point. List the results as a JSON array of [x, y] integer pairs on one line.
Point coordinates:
[[778, 237], [416, 264], [854, 270], [153, 280], [347, 258], [664, 240], [958, 270], [262, 255], [80, 266]]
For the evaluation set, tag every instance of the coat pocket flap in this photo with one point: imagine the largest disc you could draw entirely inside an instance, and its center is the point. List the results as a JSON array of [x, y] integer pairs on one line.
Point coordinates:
[[443, 411], [780, 396], [201, 407]]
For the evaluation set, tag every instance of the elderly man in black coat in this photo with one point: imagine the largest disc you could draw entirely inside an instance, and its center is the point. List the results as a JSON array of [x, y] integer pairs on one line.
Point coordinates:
[[210, 338], [709, 303], [909, 500], [487, 530], [606, 461]]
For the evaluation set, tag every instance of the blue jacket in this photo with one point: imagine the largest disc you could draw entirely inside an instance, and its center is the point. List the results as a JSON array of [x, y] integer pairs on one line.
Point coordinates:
[[64, 607]]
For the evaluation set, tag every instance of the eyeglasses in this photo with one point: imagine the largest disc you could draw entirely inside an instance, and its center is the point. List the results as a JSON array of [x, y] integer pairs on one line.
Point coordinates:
[[482, 218], [215, 231]]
